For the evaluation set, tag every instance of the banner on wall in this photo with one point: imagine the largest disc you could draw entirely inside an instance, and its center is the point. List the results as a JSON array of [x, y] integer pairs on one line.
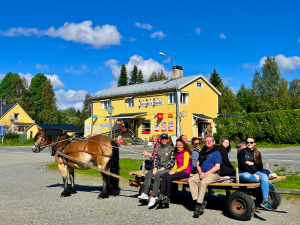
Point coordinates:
[[156, 128], [160, 115], [163, 126], [170, 126]]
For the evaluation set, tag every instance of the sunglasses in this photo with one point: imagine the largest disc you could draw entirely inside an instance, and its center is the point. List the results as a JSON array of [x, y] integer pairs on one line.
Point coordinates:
[[197, 144], [248, 142]]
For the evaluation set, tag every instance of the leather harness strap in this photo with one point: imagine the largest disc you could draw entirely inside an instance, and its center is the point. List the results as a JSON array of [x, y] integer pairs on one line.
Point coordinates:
[[88, 152]]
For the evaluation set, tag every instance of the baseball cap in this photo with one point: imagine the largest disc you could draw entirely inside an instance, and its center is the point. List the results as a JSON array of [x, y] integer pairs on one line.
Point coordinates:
[[164, 135]]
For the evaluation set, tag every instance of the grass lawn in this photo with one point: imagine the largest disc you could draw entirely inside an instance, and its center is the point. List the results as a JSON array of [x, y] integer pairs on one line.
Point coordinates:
[[17, 143]]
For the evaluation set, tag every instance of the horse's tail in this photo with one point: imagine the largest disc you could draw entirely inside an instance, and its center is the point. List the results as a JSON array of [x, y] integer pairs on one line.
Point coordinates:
[[114, 168]]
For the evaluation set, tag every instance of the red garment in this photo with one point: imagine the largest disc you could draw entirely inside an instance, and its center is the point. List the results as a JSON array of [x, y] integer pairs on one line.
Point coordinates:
[[154, 151]]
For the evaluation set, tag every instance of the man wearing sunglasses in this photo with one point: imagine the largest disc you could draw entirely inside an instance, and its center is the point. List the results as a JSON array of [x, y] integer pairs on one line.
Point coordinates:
[[195, 154]]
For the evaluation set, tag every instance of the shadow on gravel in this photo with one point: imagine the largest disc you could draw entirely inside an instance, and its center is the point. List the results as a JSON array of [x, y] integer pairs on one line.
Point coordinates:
[[80, 187]]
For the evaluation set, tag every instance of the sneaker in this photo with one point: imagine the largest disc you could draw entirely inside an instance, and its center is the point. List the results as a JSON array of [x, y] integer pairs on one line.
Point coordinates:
[[161, 197], [166, 200], [203, 205], [152, 201], [266, 205], [143, 196], [272, 186], [198, 209]]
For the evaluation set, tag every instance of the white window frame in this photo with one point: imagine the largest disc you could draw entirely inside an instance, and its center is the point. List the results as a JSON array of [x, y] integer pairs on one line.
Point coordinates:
[[130, 102], [31, 134], [200, 83], [18, 116], [172, 98], [104, 106], [184, 96]]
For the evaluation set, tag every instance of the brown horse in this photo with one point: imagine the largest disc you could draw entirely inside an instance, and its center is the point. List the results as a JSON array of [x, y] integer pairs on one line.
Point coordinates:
[[98, 151]]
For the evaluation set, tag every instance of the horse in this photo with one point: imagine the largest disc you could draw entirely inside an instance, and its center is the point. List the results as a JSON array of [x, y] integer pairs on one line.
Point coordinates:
[[99, 150]]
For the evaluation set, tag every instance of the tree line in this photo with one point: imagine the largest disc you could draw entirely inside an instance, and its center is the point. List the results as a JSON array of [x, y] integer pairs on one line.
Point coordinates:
[[38, 100], [137, 77], [268, 91]]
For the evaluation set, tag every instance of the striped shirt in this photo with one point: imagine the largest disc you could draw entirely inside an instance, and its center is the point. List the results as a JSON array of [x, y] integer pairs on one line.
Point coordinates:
[[211, 160]]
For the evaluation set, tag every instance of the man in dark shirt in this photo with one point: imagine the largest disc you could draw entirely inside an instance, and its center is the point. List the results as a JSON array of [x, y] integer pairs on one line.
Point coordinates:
[[240, 145]]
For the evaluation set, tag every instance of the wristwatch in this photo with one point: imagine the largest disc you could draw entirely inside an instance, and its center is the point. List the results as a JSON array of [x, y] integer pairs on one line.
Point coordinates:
[[175, 171]]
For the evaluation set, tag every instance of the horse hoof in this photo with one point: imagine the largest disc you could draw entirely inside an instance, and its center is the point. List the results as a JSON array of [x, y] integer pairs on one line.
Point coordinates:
[[73, 191], [102, 196], [65, 194]]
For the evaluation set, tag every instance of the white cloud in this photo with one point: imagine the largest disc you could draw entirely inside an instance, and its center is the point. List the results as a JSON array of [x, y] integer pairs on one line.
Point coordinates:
[[227, 79], [132, 39], [222, 36], [299, 40], [71, 98], [168, 60], [98, 36], [42, 67], [147, 67], [158, 34], [84, 69], [55, 81], [146, 26], [63, 46], [197, 30], [98, 70], [248, 66], [285, 64]]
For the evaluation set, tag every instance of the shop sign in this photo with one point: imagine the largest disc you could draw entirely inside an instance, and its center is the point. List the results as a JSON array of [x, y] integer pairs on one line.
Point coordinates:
[[145, 132], [151, 103], [160, 115], [163, 126], [170, 126], [170, 114], [156, 126]]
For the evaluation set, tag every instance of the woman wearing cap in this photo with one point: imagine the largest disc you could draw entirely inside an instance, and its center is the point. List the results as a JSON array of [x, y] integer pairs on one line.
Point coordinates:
[[163, 162]]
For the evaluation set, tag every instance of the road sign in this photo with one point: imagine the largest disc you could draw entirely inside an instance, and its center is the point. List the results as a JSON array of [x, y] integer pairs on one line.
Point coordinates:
[[2, 130], [94, 116]]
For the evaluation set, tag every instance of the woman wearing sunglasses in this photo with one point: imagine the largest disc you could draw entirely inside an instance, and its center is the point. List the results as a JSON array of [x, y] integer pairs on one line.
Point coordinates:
[[250, 167]]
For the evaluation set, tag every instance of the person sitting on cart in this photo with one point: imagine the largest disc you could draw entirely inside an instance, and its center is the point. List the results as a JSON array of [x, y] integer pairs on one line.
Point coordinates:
[[239, 146], [227, 168], [208, 167], [195, 154], [250, 167], [181, 170], [163, 162]]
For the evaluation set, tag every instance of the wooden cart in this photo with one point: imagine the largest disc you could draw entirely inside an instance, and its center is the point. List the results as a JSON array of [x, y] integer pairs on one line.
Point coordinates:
[[239, 203]]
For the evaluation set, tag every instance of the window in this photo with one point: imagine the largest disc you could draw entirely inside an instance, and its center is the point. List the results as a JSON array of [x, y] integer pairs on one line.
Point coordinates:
[[16, 116], [105, 104], [96, 128], [172, 98], [130, 102], [184, 98], [31, 134], [146, 126], [199, 84]]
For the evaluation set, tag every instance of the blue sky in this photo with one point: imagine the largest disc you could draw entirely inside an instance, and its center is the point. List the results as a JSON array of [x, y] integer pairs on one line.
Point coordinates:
[[80, 45]]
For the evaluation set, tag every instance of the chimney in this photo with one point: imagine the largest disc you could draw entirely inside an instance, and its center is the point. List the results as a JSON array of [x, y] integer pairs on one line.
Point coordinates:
[[177, 72]]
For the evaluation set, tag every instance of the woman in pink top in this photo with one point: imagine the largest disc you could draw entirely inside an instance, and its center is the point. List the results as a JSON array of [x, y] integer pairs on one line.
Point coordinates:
[[181, 170]]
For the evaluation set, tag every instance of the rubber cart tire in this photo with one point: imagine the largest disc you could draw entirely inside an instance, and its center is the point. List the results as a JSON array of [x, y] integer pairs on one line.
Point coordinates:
[[274, 199], [240, 206]]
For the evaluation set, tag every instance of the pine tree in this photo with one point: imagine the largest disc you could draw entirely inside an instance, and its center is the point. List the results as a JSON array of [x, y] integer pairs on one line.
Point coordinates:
[[294, 92], [133, 76], [123, 80], [36, 87], [140, 77], [153, 77], [48, 113], [5, 84], [216, 80], [244, 98], [86, 110], [161, 76]]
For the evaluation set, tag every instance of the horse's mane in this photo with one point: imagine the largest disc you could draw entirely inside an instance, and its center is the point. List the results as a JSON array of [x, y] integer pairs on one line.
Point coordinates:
[[53, 134]]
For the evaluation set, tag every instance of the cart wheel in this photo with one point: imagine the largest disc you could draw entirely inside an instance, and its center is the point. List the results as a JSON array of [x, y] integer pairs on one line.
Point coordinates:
[[274, 199], [174, 189], [240, 206]]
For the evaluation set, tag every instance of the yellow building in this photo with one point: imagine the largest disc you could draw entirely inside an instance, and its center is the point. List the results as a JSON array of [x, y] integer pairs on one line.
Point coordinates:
[[150, 108], [33, 129], [15, 119]]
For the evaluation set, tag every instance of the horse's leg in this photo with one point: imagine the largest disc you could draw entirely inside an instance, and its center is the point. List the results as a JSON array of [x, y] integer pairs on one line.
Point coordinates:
[[72, 180], [105, 186], [64, 172]]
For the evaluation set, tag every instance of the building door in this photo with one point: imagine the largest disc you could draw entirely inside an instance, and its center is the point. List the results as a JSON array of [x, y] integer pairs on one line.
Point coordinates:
[[200, 130], [135, 127]]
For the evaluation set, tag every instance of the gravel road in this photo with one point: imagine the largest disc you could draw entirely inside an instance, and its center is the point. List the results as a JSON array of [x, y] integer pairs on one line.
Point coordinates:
[[30, 194]]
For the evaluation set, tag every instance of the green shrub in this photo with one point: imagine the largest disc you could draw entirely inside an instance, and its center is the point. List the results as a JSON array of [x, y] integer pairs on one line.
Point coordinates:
[[280, 126], [11, 136]]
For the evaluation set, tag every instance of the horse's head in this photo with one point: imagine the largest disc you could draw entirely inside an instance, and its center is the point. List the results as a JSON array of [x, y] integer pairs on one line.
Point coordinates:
[[47, 137], [39, 141]]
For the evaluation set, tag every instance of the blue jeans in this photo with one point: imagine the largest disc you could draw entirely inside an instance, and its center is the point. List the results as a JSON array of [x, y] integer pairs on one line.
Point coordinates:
[[263, 180]]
